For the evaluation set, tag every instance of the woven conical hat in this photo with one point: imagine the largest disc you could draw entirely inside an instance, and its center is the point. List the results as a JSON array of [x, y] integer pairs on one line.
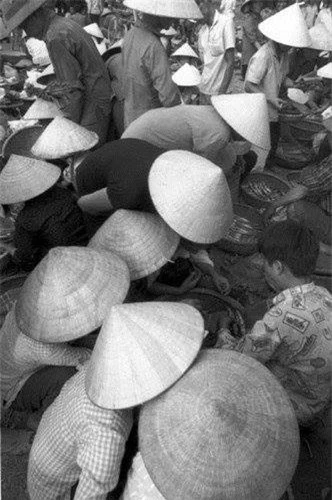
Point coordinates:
[[225, 430], [185, 51], [47, 75], [247, 114], [21, 141], [183, 9], [321, 39], [63, 138], [191, 194], [42, 110], [142, 240], [325, 71], [14, 12], [94, 30], [142, 349], [25, 178], [287, 27], [70, 292], [187, 76]]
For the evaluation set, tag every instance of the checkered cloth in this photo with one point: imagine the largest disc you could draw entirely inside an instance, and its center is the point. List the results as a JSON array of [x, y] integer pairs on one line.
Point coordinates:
[[21, 356], [77, 441]]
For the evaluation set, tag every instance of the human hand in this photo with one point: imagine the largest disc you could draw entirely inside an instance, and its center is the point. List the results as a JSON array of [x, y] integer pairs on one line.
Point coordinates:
[[190, 282], [221, 283]]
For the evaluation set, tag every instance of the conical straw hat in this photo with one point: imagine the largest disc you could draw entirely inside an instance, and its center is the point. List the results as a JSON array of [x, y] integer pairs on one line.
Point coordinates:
[[70, 292], [287, 27], [187, 76], [142, 349], [321, 39], [46, 76], [325, 71], [185, 51], [247, 114], [14, 12], [25, 178], [42, 110], [21, 141], [191, 194], [63, 138], [94, 30], [225, 430], [182, 9], [142, 240]]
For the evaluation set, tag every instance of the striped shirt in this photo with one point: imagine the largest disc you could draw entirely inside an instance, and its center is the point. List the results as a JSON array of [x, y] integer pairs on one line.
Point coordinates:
[[21, 357], [77, 441]]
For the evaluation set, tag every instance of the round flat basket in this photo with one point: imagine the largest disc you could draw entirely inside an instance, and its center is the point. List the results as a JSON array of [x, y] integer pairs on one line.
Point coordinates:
[[260, 189], [210, 303], [21, 141], [242, 237]]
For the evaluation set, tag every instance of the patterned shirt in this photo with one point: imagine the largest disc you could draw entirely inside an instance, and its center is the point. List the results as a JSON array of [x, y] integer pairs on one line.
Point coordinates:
[[294, 340], [77, 441], [139, 483], [21, 357]]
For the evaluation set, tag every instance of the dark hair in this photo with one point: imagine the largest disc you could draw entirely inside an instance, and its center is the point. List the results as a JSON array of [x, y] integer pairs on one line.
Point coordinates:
[[293, 244]]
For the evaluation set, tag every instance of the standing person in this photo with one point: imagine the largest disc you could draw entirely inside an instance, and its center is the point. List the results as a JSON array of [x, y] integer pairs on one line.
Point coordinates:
[[217, 45], [86, 91], [325, 15], [95, 8], [310, 11], [148, 83], [252, 39], [269, 66]]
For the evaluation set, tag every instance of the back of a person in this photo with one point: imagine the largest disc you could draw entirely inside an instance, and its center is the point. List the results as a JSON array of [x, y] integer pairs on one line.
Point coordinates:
[[302, 362], [79, 19]]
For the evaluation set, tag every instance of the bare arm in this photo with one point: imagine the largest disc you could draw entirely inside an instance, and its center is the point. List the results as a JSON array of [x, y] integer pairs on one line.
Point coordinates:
[[230, 60]]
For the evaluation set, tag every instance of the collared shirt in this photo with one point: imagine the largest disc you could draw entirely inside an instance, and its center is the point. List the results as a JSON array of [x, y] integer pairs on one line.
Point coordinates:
[[148, 83], [250, 35], [294, 341], [268, 72], [21, 356], [213, 43], [194, 128], [77, 62], [139, 484], [77, 441]]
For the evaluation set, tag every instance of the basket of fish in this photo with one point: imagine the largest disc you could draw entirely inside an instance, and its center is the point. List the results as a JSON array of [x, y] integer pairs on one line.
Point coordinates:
[[243, 235], [259, 189]]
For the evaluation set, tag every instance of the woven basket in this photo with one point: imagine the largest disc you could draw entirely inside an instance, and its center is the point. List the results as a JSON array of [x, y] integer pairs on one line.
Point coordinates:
[[305, 129], [260, 189], [233, 179], [4, 258], [242, 237], [21, 142]]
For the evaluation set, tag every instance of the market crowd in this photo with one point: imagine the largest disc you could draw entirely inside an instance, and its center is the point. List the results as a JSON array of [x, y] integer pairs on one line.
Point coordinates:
[[147, 144]]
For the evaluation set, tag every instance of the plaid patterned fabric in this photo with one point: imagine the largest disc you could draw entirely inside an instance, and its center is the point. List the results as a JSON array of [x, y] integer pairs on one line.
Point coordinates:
[[77, 441], [21, 356]]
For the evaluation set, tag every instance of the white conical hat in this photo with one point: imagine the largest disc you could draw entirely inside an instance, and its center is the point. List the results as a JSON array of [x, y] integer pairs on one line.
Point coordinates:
[[47, 75], [63, 138], [25, 178], [192, 195], [320, 37], [94, 30], [325, 71], [42, 110], [185, 51], [187, 76], [70, 292], [247, 114], [287, 27], [141, 350], [144, 241], [182, 9]]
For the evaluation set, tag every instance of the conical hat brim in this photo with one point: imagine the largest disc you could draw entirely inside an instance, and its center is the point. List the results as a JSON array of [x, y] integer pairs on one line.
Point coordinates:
[[224, 428], [94, 30], [192, 195], [187, 76], [25, 178], [42, 110], [287, 27], [182, 9], [325, 71], [185, 51], [321, 39], [141, 239], [70, 292], [13, 17], [63, 138], [247, 114], [21, 141], [142, 349]]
